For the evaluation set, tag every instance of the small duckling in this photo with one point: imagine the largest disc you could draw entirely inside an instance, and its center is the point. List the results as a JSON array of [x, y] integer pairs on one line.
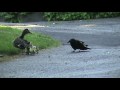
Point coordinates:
[[33, 49]]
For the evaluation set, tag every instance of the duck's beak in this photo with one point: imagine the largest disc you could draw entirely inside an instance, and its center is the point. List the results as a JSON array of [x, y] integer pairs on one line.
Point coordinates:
[[30, 32]]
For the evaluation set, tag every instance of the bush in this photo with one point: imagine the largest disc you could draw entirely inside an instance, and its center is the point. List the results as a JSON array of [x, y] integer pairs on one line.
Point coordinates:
[[57, 16], [13, 16], [52, 16]]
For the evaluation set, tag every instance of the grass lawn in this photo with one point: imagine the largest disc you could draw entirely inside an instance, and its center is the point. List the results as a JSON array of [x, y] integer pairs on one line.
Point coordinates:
[[8, 34]]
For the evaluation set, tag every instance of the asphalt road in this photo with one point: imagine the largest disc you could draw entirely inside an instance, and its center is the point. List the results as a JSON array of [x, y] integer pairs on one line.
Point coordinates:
[[102, 61]]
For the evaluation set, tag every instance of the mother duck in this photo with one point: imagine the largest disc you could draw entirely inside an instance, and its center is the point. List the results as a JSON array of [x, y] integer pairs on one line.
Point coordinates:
[[21, 43]]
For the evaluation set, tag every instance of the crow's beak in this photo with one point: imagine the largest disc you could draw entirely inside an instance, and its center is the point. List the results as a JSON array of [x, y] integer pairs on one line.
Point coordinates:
[[68, 41]]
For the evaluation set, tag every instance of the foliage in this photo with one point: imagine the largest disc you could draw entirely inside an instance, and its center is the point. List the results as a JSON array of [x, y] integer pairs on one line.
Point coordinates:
[[52, 16], [56, 16], [13, 16]]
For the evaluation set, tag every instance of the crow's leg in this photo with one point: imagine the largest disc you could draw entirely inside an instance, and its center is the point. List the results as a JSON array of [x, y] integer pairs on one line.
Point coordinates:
[[74, 50]]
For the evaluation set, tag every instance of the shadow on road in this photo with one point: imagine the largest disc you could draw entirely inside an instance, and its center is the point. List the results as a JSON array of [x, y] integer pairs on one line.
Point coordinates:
[[78, 52]]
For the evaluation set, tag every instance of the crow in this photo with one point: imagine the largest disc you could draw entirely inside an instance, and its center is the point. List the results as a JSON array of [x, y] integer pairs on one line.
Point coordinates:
[[76, 44]]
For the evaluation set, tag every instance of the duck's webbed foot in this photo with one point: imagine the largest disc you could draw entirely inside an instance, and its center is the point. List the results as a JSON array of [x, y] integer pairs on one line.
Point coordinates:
[[27, 51]]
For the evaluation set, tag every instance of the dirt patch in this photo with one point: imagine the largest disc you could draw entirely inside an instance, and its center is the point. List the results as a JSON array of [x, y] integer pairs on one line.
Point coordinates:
[[8, 58]]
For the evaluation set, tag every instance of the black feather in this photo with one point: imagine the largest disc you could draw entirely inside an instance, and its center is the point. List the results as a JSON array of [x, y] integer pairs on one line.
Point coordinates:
[[76, 44]]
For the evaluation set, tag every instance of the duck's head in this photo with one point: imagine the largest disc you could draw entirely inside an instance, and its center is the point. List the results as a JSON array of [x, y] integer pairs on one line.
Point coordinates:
[[26, 31]]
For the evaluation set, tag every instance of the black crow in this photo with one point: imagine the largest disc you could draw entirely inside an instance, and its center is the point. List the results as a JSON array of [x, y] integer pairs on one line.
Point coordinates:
[[76, 44]]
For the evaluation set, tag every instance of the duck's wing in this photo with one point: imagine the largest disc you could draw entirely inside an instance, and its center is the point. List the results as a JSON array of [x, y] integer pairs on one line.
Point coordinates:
[[27, 42], [18, 42]]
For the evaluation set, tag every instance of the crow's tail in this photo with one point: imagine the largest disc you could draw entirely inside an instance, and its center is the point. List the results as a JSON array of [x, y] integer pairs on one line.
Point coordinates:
[[88, 48]]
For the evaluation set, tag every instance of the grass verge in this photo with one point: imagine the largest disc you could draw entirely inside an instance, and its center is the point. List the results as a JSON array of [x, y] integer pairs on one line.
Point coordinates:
[[8, 34]]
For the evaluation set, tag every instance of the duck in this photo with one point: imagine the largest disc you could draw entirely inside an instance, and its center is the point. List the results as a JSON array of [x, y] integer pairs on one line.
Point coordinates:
[[21, 43]]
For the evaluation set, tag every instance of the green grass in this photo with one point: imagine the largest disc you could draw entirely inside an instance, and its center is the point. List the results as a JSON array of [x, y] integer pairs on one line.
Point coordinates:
[[8, 34]]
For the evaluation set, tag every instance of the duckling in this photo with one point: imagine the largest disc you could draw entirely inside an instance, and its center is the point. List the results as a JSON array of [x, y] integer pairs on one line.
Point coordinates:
[[20, 42], [33, 49]]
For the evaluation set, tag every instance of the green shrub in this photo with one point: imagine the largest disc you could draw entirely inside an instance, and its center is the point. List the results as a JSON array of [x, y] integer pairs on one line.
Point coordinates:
[[13, 16], [57, 16], [52, 16]]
